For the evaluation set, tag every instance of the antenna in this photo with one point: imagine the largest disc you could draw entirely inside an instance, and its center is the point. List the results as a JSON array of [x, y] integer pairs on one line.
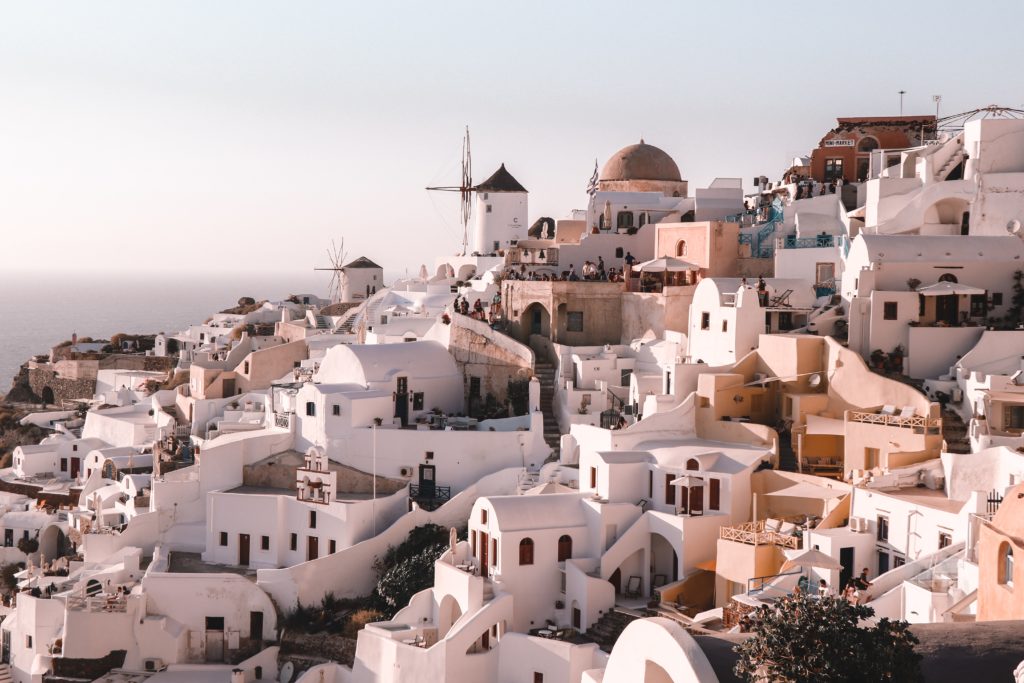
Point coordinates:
[[336, 257], [465, 190], [902, 93]]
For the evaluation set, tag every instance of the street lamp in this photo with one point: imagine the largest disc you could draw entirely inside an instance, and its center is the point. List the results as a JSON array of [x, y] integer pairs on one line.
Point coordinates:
[[902, 93], [936, 99]]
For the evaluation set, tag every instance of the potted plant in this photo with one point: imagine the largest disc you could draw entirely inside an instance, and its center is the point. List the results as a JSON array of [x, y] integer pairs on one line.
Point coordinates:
[[913, 283], [878, 359]]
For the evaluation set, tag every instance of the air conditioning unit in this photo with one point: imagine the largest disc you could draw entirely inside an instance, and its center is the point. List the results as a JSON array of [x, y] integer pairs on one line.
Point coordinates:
[[153, 664], [958, 394], [858, 524], [405, 471]]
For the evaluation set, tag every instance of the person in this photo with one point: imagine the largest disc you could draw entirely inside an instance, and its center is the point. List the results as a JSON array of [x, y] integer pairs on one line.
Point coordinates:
[[823, 590], [861, 582], [803, 583], [629, 259], [621, 424], [600, 268], [572, 273], [743, 283], [762, 291], [850, 593]]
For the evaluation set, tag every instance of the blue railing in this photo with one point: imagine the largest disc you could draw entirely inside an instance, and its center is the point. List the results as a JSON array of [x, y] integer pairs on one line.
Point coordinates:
[[818, 241]]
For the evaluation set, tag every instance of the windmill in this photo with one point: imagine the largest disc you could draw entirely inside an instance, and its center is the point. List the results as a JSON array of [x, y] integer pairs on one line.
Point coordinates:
[[465, 190], [336, 257]]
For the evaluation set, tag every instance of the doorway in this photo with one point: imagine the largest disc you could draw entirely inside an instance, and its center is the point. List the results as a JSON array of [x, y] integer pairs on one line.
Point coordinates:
[[616, 581], [256, 627], [76, 465], [243, 550], [483, 554], [214, 639], [402, 400], [427, 482], [312, 548], [846, 573], [947, 309]]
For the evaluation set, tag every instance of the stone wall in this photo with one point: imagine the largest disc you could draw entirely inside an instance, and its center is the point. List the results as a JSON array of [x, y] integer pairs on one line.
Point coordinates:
[[491, 356], [64, 389], [87, 669]]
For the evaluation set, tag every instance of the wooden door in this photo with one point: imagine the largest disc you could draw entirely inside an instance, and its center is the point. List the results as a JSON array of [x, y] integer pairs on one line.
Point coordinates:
[[76, 464], [696, 500], [243, 549], [402, 400], [256, 627], [312, 548], [483, 553]]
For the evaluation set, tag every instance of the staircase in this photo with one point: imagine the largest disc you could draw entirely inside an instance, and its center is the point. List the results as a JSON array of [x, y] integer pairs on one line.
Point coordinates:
[[957, 157], [322, 323], [954, 432], [545, 373], [5, 674], [609, 627]]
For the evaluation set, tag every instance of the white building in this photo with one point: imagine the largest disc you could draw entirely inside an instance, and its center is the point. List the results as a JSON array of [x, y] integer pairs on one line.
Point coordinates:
[[501, 213]]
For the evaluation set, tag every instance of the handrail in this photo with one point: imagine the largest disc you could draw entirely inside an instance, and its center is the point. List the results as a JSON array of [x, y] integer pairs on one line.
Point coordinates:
[[765, 579], [753, 533], [896, 420]]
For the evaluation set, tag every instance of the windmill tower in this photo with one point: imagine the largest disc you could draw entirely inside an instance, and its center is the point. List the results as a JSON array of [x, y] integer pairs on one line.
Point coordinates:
[[465, 191], [336, 257]]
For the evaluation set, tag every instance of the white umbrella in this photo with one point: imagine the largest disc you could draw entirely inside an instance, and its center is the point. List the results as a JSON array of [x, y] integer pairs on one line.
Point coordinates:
[[666, 264], [687, 480], [423, 272], [811, 558], [949, 288]]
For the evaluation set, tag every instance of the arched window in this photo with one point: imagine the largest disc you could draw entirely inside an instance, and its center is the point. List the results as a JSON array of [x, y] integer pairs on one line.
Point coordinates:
[[625, 219], [600, 221], [643, 220], [526, 551], [681, 248], [1006, 564], [948, 277], [867, 144], [564, 548], [692, 464]]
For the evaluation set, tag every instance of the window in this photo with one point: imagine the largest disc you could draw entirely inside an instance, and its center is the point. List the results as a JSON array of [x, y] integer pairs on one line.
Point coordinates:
[[1013, 418], [489, 208], [705, 321], [593, 477], [870, 458], [692, 464], [310, 409], [429, 455], [223, 538], [725, 325], [715, 494], [494, 552], [997, 298], [74, 447], [650, 484], [574, 321], [618, 252], [245, 368], [214, 623], [63, 464], [670, 490], [883, 562], [472, 543], [948, 277], [335, 410], [824, 272], [945, 540], [474, 387], [681, 248], [1006, 564], [28, 642], [417, 397], [833, 169], [312, 519], [294, 542], [564, 547], [867, 144], [526, 551], [890, 310], [898, 561], [979, 305], [883, 529], [483, 516], [538, 677], [332, 546], [264, 542], [625, 219]]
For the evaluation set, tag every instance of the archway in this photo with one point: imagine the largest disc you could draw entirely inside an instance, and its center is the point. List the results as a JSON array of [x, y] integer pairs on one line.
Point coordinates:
[[47, 396], [535, 320], [53, 543], [681, 248], [448, 612], [949, 212], [664, 561]]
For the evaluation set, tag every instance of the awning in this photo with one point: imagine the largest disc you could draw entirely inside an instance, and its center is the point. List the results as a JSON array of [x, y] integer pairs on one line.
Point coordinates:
[[817, 424], [804, 489], [949, 288], [707, 565], [666, 264], [687, 480], [810, 559]]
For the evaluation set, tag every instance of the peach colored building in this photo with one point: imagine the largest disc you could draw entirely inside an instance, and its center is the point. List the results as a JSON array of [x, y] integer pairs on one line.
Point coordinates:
[[1001, 561]]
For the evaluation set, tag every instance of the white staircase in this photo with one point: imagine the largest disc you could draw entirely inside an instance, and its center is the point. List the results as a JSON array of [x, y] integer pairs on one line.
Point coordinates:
[[950, 164], [5, 674]]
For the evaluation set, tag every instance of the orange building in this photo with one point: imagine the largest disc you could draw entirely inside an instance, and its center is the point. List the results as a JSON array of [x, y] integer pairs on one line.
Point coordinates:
[[1001, 561], [845, 150]]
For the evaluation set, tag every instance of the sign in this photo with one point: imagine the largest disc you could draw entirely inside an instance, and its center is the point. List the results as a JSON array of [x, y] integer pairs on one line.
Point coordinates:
[[838, 142]]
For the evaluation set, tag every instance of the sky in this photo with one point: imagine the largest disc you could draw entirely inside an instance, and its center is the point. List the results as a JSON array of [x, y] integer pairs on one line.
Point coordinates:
[[245, 136]]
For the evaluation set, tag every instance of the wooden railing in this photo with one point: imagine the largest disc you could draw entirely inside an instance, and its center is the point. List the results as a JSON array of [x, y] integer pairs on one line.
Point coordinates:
[[911, 421], [754, 533]]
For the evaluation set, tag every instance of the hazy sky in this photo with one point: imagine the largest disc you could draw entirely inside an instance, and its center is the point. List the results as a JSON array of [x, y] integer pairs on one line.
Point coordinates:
[[226, 136]]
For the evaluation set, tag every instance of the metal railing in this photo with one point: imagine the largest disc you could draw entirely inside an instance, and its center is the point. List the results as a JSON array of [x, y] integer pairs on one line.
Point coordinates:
[[794, 242], [281, 420], [430, 496], [754, 533]]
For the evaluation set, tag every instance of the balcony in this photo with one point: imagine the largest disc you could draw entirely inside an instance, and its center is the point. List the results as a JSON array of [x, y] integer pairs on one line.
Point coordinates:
[[794, 242], [430, 496], [920, 424], [758, 533]]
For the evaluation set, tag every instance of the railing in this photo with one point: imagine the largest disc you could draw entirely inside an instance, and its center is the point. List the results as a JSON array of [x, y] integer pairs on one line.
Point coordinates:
[[758, 583], [97, 603], [974, 523], [431, 496], [794, 242], [932, 424], [761, 246], [754, 533], [281, 420]]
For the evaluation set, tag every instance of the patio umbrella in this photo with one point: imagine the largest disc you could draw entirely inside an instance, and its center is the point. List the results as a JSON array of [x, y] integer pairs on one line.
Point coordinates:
[[811, 559], [666, 265], [949, 288]]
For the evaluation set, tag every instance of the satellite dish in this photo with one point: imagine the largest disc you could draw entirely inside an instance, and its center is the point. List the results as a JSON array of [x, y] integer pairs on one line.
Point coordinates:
[[814, 380], [287, 671], [1013, 227]]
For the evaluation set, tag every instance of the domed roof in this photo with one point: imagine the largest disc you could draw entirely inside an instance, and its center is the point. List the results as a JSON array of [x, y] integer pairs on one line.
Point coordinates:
[[641, 162]]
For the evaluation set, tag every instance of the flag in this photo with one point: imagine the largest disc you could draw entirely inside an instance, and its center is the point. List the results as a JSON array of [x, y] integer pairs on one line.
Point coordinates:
[[592, 185]]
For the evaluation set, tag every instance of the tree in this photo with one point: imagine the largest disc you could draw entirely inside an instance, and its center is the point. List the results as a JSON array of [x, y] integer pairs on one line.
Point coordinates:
[[805, 639], [408, 568], [28, 545]]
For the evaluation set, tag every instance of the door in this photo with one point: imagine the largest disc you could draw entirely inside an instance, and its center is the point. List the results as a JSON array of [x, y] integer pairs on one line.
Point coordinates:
[[256, 627], [576, 617], [76, 464], [402, 400], [214, 639], [229, 388], [946, 309], [535, 322], [8, 538], [483, 554], [243, 549], [696, 500], [846, 573], [616, 581], [312, 548], [427, 485], [883, 562]]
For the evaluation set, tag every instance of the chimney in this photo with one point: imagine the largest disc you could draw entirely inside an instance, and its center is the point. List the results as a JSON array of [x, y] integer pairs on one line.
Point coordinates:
[[237, 676]]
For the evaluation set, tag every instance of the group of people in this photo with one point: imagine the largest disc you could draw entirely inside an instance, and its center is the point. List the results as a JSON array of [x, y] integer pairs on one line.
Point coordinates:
[[594, 271], [462, 306], [853, 591]]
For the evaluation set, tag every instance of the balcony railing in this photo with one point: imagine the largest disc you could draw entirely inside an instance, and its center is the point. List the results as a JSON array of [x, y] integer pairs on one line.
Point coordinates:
[[754, 533], [933, 425], [794, 242], [281, 420], [430, 496], [97, 603]]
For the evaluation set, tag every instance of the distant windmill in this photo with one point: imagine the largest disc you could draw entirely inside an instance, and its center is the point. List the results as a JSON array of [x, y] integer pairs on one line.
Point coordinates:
[[336, 257], [465, 190]]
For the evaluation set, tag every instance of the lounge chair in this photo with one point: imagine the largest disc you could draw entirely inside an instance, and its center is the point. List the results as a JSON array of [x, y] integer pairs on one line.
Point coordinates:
[[633, 587]]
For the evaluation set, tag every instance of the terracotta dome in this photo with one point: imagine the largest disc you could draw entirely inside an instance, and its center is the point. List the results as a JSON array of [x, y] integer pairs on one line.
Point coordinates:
[[641, 162]]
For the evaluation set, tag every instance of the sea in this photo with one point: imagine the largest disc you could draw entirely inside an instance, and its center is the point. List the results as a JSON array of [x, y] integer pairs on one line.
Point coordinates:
[[40, 310]]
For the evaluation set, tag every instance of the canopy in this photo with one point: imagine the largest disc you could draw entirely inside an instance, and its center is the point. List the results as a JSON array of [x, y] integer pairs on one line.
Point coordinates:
[[819, 424], [807, 490], [687, 480], [948, 288], [666, 264], [811, 558]]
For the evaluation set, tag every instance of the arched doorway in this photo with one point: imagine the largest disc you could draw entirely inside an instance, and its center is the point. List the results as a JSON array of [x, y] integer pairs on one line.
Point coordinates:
[[535, 320], [681, 248], [448, 612], [664, 561], [47, 396], [948, 213]]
